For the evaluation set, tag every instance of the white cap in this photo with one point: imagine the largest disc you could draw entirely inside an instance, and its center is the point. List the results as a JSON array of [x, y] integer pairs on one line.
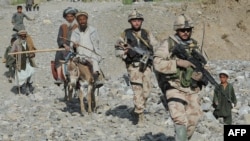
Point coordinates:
[[224, 72]]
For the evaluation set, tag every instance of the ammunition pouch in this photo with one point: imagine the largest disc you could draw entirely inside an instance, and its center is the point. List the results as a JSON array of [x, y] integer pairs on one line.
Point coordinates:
[[143, 62], [131, 53], [186, 79], [131, 58], [138, 61]]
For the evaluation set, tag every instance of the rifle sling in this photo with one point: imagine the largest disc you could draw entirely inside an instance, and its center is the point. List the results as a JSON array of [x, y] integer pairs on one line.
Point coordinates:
[[144, 42]]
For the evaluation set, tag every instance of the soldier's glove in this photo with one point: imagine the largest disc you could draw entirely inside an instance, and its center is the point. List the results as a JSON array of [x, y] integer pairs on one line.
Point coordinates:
[[131, 53], [184, 63], [197, 76]]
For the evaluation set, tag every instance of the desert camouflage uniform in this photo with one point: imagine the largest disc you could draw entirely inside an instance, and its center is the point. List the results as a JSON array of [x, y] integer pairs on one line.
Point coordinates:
[[183, 103], [140, 81], [140, 73], [182, 98]]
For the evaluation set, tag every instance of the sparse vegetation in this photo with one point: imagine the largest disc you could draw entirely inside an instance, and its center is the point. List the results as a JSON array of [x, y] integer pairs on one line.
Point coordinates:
[[15, 2]]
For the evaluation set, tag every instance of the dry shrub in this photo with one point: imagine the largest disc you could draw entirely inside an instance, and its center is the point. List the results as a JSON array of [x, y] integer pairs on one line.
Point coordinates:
[[241, 25], [225, 37]]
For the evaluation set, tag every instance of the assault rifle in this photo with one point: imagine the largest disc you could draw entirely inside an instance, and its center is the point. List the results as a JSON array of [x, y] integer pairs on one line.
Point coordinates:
[[146, 54], [199, 61]]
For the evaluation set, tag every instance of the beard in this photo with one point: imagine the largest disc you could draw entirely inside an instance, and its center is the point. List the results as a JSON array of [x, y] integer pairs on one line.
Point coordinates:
[[82, 28], [187, 37], [136, 29]]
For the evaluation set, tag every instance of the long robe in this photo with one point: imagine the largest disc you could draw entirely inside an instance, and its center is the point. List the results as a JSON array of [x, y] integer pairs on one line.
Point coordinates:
[[221, 97], [25, 64]]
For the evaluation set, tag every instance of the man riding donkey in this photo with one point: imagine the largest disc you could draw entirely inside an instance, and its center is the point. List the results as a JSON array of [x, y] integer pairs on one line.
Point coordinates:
[[63, 38], [83, 64], [85, 40]]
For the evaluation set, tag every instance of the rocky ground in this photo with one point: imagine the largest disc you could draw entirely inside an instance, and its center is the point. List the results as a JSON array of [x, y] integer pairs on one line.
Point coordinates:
[[45, 116]]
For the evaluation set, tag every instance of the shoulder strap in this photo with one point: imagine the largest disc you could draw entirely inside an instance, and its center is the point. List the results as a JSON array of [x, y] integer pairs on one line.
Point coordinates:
[[139, 37], [171, 43], [174, 39]]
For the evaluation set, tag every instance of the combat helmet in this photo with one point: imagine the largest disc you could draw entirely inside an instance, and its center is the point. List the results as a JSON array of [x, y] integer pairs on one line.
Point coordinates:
[[183, 21], [135, 15], [69, 10]]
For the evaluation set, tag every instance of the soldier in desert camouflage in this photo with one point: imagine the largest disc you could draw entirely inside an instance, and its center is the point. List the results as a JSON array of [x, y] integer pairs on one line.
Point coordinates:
[[140, 77], [177, 78]]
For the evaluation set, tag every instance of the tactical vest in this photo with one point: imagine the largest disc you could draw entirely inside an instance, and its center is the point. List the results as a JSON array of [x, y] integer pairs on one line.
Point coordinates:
[[172, 43], [133, 41], [183, 74]]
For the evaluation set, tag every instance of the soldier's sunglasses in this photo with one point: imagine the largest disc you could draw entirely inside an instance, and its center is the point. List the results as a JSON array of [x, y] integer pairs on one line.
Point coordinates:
[[185, 30]]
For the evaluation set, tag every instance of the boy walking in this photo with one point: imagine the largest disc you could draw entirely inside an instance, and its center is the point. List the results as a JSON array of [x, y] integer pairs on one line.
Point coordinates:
[[17, 19], [10, 60], [224, 98]]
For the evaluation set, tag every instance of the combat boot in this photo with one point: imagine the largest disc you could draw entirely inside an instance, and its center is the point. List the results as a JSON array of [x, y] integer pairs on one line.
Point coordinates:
[[180, 133]]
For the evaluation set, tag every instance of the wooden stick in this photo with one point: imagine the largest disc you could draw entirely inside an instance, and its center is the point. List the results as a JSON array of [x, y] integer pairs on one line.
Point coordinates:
[[17, 79], [37, 51], [80, 46]]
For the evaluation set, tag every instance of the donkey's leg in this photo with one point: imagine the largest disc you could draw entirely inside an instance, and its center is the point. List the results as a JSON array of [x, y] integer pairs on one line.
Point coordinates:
[[93, 101], [90, 93], [70, 87], [81, 97], [65, 85]]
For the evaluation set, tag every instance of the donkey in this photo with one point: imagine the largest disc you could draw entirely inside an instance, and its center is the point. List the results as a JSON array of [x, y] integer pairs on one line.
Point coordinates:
[[80, 70]]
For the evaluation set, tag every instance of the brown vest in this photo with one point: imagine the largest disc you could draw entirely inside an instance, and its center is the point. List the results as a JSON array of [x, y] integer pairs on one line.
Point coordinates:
[[66, 30]]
